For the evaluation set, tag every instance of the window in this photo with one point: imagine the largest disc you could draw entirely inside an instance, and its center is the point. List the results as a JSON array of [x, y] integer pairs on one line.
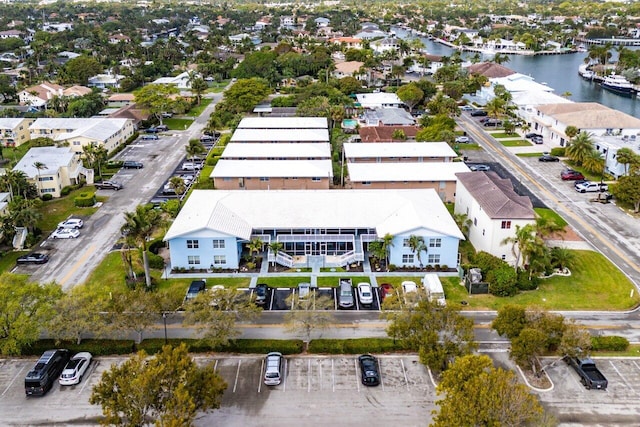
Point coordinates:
[[219, 259], [405, 243], [434, 259], [475, 221], [45, 178], [264, 179], [218, 244], [48, 190], [193, 259], [316, 179], [366, 182], [407, 258], [193, 244], [506, 225], [435, 243]]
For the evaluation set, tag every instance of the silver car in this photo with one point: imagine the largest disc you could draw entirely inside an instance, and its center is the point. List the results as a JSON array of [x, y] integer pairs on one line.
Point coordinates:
[[273, 369], [345, 294]]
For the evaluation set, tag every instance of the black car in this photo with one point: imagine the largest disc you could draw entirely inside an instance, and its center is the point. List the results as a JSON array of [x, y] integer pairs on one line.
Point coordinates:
[[369, 370], [478, 113], [130, 164], [548, 158], [261, 291], [151, 130], [214, 133], [533, 135], [33, 258], [162, 128], [195, 288]]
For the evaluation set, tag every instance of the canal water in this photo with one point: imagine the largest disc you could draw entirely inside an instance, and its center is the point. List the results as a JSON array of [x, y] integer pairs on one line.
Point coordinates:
[[558, 71]]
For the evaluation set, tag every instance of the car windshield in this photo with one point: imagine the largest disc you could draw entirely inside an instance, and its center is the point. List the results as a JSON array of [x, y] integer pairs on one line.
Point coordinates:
[[345, 293], [272, 375]]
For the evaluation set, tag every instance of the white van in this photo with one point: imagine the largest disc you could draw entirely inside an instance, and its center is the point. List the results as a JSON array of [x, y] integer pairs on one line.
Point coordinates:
[[433, 288]]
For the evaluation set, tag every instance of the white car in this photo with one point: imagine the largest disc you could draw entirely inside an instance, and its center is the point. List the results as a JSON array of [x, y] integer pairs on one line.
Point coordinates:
[[365, 293], [463, 140], [409, 286], [65, 233], [591, 187], [71, 223], [75, 369]]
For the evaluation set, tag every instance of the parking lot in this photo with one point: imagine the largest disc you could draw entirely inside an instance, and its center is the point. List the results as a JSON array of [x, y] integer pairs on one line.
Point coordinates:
[[317, 390], [280, 298]]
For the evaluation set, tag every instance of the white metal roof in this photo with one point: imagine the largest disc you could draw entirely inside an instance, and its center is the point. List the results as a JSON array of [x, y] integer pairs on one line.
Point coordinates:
[[280, 135], [272, 168], [277, 150], [237, 213], [405, 171], [369, 100], [283, 123], [10, 123], [96, 128], [52, 157], [398, 149]]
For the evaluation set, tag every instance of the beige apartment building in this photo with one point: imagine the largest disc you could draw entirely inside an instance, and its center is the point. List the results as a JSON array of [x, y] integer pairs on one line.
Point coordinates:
[[14, 131]]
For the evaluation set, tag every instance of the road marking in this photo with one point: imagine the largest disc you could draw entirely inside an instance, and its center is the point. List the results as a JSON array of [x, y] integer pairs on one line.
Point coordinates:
[[320, 373], [355, 364], [80, 263], [284, 380], [309, 376], [622, 377], [13, 380], [333, 377], [634, 362], [86, 377], [260, 377], [235, 383], [215, 365], [404, 371], [380, 373]]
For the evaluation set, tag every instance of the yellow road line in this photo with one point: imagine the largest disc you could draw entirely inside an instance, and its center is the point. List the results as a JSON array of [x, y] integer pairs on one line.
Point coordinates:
[[78, 264], [557, 202]]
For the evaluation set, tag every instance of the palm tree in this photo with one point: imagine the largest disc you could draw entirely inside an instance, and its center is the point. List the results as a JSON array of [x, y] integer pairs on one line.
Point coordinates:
[[276, 247], [546, 226], [138, 227], [593, 162], [255, 246], [387, 244], [463, 222], [195, 148], [562, 257], [39, 166], [571, 131], [520, 242], [496, 107], [177, 184], [198, 87], [580, 147], [626, 156], [417, 246]]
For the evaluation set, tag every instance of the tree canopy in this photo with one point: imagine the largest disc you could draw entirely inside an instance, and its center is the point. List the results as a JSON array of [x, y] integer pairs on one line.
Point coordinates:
[[168, 389]]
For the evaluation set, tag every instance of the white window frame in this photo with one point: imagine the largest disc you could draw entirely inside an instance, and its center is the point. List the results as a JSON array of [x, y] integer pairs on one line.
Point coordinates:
[[193, 259]]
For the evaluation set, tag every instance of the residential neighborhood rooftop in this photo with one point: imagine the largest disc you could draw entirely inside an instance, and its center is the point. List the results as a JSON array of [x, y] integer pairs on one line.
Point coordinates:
[[276, 150], [283, 123], [51, 157], [280, 135], [398, 149], [273, 168], [405, 171]]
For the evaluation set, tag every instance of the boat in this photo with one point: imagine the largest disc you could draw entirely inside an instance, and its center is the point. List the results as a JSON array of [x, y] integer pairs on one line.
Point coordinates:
[[618, 84]]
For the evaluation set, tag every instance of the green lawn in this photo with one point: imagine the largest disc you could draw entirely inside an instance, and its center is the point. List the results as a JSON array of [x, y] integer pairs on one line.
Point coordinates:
[[464, 147], [284, 282], [595, 284], [178, 124], [504, 135], [632, 351], [529, 154], [57, 210], [551, 214], [8, 259], [515, 143], [217, 87], [14, 154], [332, 281], [198, 109]]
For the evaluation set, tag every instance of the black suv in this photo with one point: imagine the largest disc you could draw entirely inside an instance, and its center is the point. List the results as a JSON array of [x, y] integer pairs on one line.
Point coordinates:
[[478, 113], [369, 370], [130, 164]]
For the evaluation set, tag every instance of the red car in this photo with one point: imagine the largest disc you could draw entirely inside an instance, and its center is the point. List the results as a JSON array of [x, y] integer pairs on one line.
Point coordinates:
[[385, 289], [571, 175]]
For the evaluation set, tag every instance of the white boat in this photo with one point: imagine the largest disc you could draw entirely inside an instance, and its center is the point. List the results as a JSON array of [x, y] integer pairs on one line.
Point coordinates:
[[618, 84]]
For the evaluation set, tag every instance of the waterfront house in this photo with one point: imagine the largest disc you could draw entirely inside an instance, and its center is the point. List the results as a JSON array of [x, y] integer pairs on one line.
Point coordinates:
[[494, 210], [329, 228]]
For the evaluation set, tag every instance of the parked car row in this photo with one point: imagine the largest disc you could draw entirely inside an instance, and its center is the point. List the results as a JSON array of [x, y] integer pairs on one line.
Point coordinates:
[[274, 369], [56, 365]]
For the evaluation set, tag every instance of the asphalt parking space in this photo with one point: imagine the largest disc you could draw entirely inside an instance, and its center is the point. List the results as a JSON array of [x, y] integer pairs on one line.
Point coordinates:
[[278, 301], [328, 293]]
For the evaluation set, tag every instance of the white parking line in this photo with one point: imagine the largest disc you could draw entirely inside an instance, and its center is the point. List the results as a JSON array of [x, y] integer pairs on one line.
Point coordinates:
[[260, 377], [284, 380], [380, 373], [309, 377], [86, 377], [215, 365], [13, 380], [622, 377], [333, 378], [634, 362], [235, 383], [320, 373], [335, 299], [355, 364], [404, 371]]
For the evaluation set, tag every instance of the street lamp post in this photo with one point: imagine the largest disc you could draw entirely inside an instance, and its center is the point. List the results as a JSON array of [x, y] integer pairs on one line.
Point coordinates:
[[164, 320]]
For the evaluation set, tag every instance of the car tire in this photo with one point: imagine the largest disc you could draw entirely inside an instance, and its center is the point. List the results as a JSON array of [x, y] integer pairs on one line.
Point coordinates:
[[583, 191]]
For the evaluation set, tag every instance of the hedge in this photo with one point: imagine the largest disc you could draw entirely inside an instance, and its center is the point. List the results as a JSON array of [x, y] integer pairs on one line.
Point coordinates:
[[85, 200], [609, 343], [95, 347], [243, 346], [355, 346]]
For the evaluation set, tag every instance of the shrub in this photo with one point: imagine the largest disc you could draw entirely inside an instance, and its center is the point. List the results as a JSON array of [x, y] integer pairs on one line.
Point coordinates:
[[392, 267], [355, 346], [487, 262], [502, 281], [243, 346], [46, 197], [95, 347], [66, 190], [609, 343], [155, 261], [84, 200], [155, 245], [114, 164], [524, 284], [558, 151]]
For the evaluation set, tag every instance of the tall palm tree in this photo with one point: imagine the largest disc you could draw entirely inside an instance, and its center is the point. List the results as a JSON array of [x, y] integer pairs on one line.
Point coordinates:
[[276, 247], [626, 156], [463, 222], [417, 246], [580, 147], [521, 242], [496, 107], [138, 227], [593, 162], [195, 148], [177, 184], [387, 244], [255, 246], [39, 167]]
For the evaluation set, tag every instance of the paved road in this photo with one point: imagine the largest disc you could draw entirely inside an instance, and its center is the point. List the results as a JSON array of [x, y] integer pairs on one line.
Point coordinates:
[[605, 227], [72, 261]]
